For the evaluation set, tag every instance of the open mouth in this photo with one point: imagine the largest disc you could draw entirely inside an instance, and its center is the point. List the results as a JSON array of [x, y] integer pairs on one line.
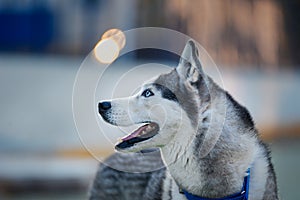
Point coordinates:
[[143, 133]]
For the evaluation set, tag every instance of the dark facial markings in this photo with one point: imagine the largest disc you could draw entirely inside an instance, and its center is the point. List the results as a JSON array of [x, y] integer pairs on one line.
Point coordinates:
[[166, 92]]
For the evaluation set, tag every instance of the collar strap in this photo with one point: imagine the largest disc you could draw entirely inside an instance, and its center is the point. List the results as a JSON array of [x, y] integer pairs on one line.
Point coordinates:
[[243, 195]]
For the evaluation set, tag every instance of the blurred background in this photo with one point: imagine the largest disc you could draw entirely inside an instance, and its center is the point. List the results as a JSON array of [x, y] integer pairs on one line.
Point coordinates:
[[255, 44]]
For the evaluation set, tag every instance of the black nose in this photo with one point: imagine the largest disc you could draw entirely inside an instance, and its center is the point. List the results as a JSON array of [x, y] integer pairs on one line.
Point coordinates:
[[104, 106]]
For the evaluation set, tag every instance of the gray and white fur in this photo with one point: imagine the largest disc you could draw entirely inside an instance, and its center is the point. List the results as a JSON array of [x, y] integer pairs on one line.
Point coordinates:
[[207, 141]]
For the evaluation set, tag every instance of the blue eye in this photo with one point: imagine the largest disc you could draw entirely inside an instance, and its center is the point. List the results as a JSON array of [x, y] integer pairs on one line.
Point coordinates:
[[147, 93]]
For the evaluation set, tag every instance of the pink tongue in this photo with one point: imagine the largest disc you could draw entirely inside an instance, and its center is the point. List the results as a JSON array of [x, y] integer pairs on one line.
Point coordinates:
[[135, 133]]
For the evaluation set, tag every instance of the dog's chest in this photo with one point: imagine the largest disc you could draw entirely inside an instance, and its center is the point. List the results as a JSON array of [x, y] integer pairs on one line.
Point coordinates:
[[170, 189]]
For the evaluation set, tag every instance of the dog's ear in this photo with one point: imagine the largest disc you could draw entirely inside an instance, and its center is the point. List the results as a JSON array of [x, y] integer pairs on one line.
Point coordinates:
[[189, 67], [191, 73]]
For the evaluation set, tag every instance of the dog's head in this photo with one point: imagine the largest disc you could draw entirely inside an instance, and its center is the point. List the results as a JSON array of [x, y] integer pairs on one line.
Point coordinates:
[[167, 107]]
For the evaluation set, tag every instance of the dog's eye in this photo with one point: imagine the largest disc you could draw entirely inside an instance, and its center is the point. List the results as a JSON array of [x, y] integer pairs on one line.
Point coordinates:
[[147, 93]]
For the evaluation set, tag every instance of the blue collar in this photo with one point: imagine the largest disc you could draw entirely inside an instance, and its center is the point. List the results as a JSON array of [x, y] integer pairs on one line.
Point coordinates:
[[243, 195]]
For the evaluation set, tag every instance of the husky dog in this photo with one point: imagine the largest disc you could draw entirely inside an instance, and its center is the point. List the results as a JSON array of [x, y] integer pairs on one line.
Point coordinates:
[[207, 142]]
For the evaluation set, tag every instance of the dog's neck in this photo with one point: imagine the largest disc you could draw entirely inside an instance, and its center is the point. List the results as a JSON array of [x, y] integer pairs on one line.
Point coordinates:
[[218, 174]]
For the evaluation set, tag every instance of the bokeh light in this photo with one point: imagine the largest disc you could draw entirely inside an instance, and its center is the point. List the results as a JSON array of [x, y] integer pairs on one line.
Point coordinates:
[[108, 48], [106, 51], [117, 35]]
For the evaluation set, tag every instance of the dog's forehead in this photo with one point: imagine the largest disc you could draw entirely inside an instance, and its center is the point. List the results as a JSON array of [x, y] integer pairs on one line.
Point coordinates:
[[150, 82], [166, 80], [169, 80]]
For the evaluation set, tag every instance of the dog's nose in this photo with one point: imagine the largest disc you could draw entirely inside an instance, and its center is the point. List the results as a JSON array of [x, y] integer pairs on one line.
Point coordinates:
[[104, 106]]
